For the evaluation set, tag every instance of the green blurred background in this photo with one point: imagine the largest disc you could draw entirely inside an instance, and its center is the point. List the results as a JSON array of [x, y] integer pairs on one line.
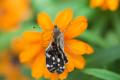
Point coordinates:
[[103, 34]]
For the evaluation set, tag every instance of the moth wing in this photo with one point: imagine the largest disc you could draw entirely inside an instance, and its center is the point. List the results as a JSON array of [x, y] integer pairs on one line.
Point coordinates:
[[51, 59]]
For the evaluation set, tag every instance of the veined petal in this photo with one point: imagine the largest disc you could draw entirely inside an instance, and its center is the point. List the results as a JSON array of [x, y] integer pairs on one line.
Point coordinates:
[[45, 22], [78, 47], [63, 19], [96, 3], [32, 36], [38, 66], [112, 4], [29, 53], [76, 27]]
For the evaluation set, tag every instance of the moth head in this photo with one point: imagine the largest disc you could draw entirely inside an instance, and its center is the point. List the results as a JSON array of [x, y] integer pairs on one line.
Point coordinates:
[[56, 32]]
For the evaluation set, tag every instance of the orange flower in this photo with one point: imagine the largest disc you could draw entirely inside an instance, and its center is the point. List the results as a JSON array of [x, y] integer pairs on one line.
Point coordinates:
[[35, 44], [12, 12], [17, 45], [105, 4], [8, 69]]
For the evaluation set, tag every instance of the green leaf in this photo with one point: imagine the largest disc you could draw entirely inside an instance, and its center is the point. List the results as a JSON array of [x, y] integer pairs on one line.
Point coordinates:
[[26, 71], [116, 22], [99, 24], [112, 38], [6, 38], [102, 74], [79, 75], [93, 38], [103, 57], [2, 77], [49, 6]]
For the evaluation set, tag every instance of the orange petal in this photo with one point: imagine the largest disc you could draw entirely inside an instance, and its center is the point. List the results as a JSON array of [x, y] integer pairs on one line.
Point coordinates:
[[112, 4], [29, 53], [76, 27], [89, 49], [17, 45], [63, 19], [45, 22], [96, 3], [63, 75], [32, 36], [78, 47], [46, 38], [38, 66], [47, 74], [104, 6], [78, 60], [51, 76], [54, 76], [69, 66]]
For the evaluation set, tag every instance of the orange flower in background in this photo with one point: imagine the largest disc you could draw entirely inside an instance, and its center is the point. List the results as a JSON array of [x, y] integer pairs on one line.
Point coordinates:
[[9, 70], [105, 4], [35, 44], [17, 45], [12, 12]]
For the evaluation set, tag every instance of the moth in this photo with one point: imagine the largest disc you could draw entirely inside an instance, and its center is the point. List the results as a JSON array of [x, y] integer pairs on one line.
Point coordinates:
[[55, 56]]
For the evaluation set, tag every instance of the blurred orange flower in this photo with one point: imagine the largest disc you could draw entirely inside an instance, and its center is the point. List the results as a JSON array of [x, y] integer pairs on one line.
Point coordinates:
[[105, 4], [9, 69], [35, 44], [12, 12], [17, 45]]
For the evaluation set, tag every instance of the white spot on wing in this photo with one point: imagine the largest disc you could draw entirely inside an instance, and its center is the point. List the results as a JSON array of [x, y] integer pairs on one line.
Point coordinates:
[[58, 64], [53, 62], [51, 65], [53, 58], [61, 67], [48, 55], [48, 65], [58, 60]]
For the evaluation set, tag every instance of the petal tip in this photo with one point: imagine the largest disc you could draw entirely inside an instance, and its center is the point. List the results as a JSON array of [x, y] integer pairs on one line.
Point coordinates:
[[90, 50], [44, 21]]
